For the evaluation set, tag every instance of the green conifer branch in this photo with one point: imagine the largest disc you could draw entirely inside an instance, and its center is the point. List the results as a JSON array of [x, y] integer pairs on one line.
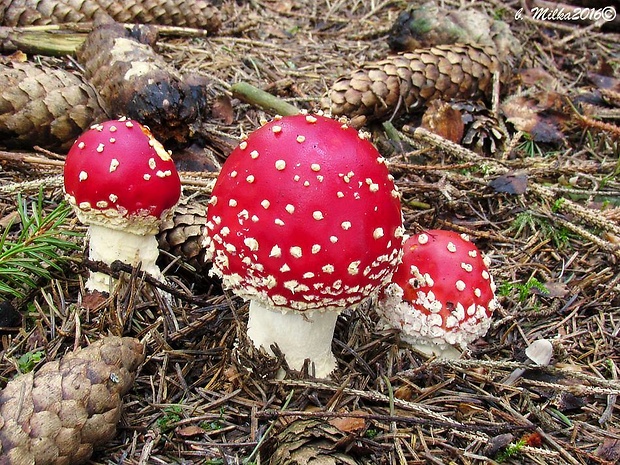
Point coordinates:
[[36, 249]]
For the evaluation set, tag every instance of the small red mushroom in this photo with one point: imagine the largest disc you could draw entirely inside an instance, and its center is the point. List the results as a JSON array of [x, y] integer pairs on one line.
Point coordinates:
[[442, 296], [304, 221], [122, 183]]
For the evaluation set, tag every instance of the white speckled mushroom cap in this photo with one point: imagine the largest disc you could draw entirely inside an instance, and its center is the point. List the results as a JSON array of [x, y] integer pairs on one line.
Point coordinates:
[[442, 292], [119, 176], [305, 215]]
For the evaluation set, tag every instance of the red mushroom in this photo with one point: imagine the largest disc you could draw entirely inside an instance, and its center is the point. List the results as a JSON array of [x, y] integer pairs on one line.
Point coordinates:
[[304, 221], [442, 296], [122, 183]]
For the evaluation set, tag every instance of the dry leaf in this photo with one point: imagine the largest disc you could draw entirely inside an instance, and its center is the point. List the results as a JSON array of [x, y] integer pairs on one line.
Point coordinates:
[[444, 120], [539, 115], [222, 109], [609, 450], [536, 77], [510, 183], [18, 57], [403, 392], [189, 431], [605, 82], [349, 424]]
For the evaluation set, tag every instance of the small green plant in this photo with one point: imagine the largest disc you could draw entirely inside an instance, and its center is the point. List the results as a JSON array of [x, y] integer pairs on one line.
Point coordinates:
[[512, 449], [39, 246], [172, 414], [214, 425], [27, 362], [524, 290], [558, 204], [529, 221], [371, 433], [214, 462], [530, 147]]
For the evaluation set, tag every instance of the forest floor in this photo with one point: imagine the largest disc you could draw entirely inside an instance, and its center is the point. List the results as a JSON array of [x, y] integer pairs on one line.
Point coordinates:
[[546, 211]]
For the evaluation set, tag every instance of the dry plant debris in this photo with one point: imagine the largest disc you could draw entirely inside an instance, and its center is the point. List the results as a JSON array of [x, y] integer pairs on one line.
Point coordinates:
[[204, 395]]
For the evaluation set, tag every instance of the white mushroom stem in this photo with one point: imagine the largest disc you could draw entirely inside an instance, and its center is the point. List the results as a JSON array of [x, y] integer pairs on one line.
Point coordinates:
[[108, 245], [299, 336]]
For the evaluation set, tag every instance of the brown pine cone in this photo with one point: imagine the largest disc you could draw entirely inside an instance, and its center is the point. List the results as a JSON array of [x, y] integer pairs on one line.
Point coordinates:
[[57, 415], [409, 80], [135, 81], [197, 14], [44, 106], [183, 234]]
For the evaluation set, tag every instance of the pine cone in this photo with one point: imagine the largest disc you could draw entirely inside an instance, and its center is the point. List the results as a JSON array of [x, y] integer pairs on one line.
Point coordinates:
[[428, 25], [44, 106], [60, 413], [409, 80], [134, 81], [182, 235], [197, 14], [310, 442]]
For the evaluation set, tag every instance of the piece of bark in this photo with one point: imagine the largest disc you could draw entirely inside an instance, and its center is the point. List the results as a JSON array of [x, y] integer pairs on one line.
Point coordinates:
[[60, 413], [44, 106]]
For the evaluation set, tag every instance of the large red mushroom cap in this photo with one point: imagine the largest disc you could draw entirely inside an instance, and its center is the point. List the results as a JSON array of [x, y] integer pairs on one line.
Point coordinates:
[[117, 175], [442, 294], [304, 215]]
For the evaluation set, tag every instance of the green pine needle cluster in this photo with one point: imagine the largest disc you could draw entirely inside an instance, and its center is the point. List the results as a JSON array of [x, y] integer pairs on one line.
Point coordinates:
[[36, 249]]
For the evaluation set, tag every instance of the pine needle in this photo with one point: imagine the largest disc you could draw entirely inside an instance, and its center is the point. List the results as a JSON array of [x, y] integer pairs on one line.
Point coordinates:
[[32, 253]]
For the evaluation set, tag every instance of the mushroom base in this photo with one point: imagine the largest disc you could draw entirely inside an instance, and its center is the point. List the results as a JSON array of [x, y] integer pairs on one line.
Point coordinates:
[[299, 336], [431, 349], [108, 245]]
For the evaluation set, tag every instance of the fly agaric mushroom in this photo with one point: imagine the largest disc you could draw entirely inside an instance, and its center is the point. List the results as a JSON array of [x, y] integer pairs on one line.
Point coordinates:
[[122, 183], [304, 221], [442, 296]]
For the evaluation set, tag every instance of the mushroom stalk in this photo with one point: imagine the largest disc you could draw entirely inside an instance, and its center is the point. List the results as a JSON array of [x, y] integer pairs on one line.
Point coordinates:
[[299, 336], [108, 245]]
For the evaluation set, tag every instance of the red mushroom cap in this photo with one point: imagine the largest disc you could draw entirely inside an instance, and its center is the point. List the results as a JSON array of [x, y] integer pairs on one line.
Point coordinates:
[[442, 292], [305, 215], [119, 176]]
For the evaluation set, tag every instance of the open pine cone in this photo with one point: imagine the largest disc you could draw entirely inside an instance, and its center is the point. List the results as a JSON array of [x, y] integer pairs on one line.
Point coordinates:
[[182, 235]]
